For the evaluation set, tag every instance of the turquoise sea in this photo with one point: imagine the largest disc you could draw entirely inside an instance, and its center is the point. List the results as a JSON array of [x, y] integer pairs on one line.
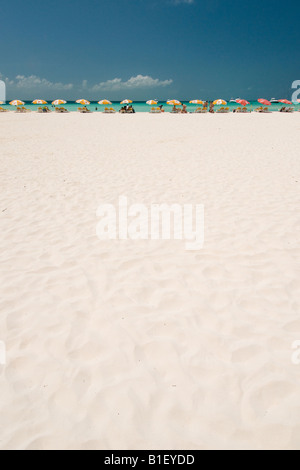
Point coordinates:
[[142, 107]]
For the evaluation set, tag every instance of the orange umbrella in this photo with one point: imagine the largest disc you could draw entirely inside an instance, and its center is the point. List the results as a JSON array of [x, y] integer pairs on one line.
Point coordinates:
[[243, 102], [17, 103], [174, 103], [103, 102], [285, 102], [58, 102], [39, 102], [83, 102], [264, 102]]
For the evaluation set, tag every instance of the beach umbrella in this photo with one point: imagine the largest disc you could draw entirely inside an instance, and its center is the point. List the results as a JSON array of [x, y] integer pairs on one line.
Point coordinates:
[[220, 102], [196, 102], [126, 102], [39, 102], [104, 102], [17, 103], [242, 102], [174, 103], [264, 102], [2, 102], [285, 102], [83, 102], [58, 102], [151, 102]]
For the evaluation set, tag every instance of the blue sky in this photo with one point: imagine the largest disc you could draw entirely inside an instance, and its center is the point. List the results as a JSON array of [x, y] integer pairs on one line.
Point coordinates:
[[143, 49]]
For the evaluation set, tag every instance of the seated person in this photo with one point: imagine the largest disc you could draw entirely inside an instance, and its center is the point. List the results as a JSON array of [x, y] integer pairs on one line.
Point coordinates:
[[184, 111]]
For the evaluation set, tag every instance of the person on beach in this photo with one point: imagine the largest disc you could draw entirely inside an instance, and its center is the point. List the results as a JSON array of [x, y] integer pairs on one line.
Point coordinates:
[[184, 111], [211, 107]]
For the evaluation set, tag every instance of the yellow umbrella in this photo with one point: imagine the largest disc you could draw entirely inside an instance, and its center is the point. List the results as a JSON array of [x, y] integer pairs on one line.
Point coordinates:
[[39, 102], [83, 102], [17, 103], [104, 102], [196, 102], [58, 102], [126, 102], [2, 102], [174, 102], [151, 102], [220, 102]]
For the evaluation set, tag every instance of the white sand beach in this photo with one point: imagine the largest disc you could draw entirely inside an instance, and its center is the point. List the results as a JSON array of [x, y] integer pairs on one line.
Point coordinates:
[[142, 344]]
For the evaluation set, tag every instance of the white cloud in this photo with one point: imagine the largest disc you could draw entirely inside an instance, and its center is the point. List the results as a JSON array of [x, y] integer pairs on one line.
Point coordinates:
[[178, 2], [34, 82], [140, 81], [27, 87]]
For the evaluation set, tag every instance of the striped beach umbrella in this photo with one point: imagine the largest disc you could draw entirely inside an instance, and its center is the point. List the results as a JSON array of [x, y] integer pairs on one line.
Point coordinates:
[[17, 103], [285, 102], [126, 102], [264, 102], [104, 102], [196, 102], [2, 102], [174, 103], [39, 102], [152, 102], [58, 102], [220, 103], [83, 102], [243, 102]]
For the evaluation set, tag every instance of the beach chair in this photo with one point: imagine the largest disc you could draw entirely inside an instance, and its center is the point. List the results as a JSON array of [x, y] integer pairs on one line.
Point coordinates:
[[61, 110], [2, 110], [112, 111], [84, 110]]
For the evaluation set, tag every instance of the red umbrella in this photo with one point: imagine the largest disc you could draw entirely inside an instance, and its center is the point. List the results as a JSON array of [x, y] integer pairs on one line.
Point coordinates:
[[265, 102], [243, 102], [285, 101]]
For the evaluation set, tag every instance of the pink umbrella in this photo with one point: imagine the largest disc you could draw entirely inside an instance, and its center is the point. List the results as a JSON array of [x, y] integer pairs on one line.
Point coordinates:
[[243, 102], [264, 102], [285, 101]]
